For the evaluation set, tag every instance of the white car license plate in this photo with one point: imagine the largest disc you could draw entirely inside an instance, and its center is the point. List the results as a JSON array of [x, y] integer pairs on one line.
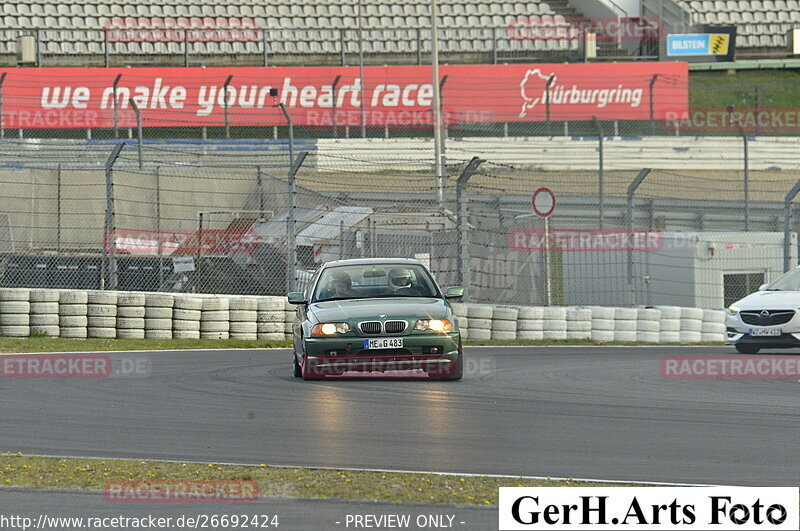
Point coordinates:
[[765, 331], [383, 342]]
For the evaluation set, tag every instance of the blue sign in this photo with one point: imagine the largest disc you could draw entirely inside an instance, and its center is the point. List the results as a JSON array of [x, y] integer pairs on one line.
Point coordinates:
[[689, 44]]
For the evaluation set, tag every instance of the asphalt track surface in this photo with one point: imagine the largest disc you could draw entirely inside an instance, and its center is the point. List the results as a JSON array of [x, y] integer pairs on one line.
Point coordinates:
[[586, 412]]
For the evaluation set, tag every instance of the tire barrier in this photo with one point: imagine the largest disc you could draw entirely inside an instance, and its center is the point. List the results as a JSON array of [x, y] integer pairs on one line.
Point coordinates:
[[73, 309], [215, 318], [186, 315], [289, 311], [504, 323], [15, 310], [101, 314], [479, 317], [109, 314], [158, 309], [270, 318], [244, 318], [460, 311], [44, 312], [579, 323]]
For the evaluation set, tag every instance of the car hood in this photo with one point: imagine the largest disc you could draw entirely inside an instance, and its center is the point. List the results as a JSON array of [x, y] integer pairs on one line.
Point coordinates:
[[770, 300], [355, 310]]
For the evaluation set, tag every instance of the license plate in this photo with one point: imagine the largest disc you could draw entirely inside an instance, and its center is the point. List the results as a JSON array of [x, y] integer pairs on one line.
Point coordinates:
[[765, 331], [384, 342]]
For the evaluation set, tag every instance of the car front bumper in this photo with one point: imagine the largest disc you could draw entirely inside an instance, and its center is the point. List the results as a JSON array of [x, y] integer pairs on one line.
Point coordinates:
[[738, 332], [432, 353]]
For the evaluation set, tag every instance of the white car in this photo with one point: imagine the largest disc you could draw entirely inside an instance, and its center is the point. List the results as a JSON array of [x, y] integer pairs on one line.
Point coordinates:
[[769, 318]]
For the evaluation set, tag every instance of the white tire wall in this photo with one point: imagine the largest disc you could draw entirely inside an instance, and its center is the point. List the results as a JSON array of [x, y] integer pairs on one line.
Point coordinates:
[[602, 313], [130, 333], [625, 336], [43, 318], [45, 330], [15, 294], [188, 303], [102, 298], [102, 332], [531, 335], [530, 313], [648, 325], [44, 295], [75, 333], [130, 298]]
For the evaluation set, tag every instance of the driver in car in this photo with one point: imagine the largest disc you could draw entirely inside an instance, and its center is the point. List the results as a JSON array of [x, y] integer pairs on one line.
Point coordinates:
[[339, 286], [400, 283]]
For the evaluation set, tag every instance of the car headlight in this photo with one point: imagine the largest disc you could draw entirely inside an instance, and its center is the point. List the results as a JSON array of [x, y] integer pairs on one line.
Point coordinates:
[[435, 325], [733, 308], [329, 329]]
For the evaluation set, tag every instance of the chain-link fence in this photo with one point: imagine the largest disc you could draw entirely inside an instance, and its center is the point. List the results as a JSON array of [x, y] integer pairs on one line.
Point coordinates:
[[695, 222]]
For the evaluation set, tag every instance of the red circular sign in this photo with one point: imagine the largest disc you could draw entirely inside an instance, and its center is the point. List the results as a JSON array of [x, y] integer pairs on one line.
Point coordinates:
[[544, 202]]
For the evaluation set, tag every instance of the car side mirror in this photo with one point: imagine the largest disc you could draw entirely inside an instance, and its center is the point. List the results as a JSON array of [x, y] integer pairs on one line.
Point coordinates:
[[296, 297], [454, 292], [763, 287]]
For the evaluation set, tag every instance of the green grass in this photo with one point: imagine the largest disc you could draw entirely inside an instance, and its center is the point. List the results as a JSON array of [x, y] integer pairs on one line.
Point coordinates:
[[57, 344], [719, 89], [92, 474]]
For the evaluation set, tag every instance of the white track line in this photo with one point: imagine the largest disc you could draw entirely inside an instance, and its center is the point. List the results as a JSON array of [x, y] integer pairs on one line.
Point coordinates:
[[389, 471]]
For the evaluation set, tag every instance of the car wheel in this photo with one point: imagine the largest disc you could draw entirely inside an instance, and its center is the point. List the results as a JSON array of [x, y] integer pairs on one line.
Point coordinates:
[[747, 349], [457, 370], [309, 373], [297, 370]]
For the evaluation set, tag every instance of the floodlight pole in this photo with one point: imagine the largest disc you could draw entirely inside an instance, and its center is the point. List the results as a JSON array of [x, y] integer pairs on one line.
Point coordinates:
[[630, 295], [2, 122], [437, 111], [333, 95], [138, 130], [463, 226], [547, 86], [225, 103], [116, 105], [109, 247], [652, 105], [294, 165], [361, 75]]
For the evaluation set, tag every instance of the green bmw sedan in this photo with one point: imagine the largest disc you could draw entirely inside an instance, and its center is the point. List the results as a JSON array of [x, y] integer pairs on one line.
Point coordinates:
[[384, 315]]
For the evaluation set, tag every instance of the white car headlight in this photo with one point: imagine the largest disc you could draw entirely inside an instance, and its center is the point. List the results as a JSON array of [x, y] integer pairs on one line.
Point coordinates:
[[436, 325], [733, 308], [329, 329]]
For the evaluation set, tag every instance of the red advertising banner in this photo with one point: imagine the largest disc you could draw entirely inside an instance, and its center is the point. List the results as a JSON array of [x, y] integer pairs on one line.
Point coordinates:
[[393, 95]]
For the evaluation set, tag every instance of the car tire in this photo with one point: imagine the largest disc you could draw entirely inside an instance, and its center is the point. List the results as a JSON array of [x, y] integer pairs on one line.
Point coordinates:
[[746, 349], [298, 372], [308, 373], [456, 372]]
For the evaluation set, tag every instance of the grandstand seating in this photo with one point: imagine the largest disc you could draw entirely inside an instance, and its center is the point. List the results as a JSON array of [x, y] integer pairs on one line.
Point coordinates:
[[308, 27], [759, 24], [292, 26]]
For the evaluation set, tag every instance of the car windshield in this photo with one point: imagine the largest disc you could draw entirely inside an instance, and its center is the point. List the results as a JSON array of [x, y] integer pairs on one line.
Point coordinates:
[[374, 281], [788, 282]]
